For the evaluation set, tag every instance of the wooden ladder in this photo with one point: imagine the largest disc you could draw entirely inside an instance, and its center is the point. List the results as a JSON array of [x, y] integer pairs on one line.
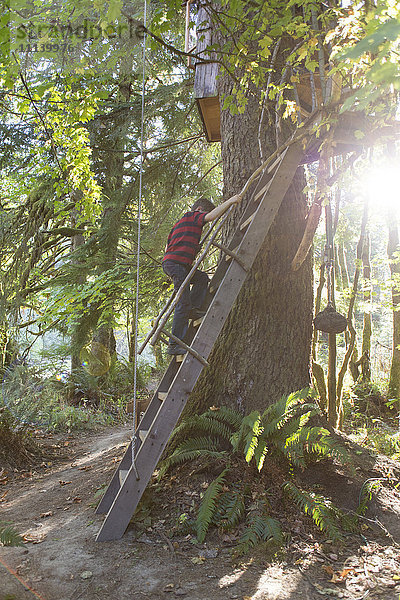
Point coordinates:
[[131, 478]]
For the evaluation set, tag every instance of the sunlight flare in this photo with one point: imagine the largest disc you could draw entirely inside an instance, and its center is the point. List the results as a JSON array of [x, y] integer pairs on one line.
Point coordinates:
[[382, 185]]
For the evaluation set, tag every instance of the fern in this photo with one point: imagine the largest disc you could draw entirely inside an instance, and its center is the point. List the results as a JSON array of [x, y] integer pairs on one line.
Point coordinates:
[[8, 535], [221, 422], [230, 509], [251, 439], [238, 439], [191, 449], [208, 506], [231, 417], [367, 489], [311, 441], [326, 516], [260, 452], [260, 528]]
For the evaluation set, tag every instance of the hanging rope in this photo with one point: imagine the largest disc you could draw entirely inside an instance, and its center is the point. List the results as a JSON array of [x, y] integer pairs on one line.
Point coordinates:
[[138, 240]]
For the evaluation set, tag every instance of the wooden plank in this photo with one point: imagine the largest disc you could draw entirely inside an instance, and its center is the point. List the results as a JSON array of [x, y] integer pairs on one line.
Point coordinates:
[[247, 222], [274, 164], [143, 433], [169, 412], [210, 113], [122, 473], [261, 193], [228, 258]]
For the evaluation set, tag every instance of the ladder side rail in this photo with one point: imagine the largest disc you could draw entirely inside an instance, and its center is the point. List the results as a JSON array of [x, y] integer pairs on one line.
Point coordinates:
[[251, 242], [145, 423], [149, 453]]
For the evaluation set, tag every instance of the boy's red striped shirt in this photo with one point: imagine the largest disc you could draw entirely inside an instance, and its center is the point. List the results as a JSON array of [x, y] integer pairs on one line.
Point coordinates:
[[183, 240]]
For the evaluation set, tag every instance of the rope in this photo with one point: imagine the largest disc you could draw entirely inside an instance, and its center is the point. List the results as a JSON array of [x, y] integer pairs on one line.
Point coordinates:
[[138, 240]]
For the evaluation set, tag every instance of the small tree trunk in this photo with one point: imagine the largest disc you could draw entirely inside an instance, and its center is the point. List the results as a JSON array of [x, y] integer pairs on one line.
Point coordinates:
[[338, 274], [394, 263], [343, 266], [77, 335], [367, 326], [332, 414], [351, 348], [317, 370]]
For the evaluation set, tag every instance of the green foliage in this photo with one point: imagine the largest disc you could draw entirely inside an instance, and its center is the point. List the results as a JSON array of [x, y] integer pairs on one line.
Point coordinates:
[[284, 431], [366, 493], [326, 516], [208, 506], [191, 449], [371, 55], [32, 398], [259, 528], [8, 535], [230, 510]]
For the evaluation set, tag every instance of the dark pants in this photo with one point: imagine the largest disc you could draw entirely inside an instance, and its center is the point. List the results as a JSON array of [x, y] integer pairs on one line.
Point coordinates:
[[193, 295]]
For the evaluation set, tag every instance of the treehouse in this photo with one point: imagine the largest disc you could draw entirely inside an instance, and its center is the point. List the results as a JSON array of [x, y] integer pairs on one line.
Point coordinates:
[[205, 80]]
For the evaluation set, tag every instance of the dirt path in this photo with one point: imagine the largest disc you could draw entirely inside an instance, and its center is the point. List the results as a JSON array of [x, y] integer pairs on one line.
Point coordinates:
[[53, 508]]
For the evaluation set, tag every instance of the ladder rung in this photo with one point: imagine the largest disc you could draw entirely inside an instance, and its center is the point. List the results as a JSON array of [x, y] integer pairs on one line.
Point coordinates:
[[263, 190], [228, 257], [183, 345], [231, 254], [247, 222], [162, 395], [275, 163], [142, 434], [122, 473]]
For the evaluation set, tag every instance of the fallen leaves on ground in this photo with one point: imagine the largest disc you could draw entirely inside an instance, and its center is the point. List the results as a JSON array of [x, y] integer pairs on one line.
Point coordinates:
[[337, 576], [34, 538]]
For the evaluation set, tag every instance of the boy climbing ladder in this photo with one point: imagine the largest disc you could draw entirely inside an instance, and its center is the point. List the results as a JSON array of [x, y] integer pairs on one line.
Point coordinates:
[[182, 247]]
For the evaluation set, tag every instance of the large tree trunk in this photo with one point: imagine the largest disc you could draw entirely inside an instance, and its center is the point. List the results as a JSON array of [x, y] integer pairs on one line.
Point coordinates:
[[264, 348]]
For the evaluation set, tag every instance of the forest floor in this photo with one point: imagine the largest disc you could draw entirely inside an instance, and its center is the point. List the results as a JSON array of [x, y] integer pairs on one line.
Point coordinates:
[[52, 506]]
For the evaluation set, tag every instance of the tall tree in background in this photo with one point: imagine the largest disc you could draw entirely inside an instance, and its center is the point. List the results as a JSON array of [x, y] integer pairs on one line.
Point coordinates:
[[393, 250]]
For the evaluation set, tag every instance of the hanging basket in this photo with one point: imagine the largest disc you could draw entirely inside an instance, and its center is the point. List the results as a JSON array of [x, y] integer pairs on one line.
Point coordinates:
[[330, 321]]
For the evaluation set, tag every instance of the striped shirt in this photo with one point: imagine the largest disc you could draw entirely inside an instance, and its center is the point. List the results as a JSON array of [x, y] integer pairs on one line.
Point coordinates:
[[183, 240]]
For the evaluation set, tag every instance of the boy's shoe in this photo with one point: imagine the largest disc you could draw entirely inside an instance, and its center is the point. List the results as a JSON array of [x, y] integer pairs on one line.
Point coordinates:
[[175, 350]]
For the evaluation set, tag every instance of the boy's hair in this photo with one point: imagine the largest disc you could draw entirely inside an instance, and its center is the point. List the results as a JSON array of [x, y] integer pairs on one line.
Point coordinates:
[[205, 204]]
